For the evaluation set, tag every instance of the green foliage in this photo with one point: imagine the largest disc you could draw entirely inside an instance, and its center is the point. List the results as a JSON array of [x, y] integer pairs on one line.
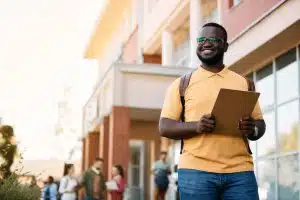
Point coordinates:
[[11, 189], [10, 186]]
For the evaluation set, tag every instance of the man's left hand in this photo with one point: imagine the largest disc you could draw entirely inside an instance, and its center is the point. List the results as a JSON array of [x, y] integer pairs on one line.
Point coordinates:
[[247, 126]]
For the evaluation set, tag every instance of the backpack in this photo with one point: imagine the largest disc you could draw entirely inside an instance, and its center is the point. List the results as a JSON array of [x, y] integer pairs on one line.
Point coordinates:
[[184, 83], [161, 180]]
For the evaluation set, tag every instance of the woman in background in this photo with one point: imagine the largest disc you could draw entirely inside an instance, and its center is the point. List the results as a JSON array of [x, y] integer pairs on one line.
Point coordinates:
[[118, 177], [68, 184]]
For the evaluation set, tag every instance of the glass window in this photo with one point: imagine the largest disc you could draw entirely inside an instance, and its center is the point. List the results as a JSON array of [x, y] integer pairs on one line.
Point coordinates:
[[236, 2], [288, 118], [265, 85], [250, 76], [253, 148], [135, 156], [136, 176], [287, 76], [266, 179], [267, 144], [288, 179]]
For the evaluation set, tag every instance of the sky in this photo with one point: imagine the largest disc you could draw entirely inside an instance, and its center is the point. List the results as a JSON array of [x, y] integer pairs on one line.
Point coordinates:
[[41, 52]]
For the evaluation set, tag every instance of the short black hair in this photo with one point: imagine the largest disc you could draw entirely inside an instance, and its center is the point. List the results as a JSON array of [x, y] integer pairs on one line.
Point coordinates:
[[99, 159], [212, 24], [50, 179]]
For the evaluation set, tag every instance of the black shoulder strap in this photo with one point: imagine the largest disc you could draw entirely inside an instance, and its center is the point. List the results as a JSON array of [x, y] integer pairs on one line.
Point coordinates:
[[184, 83], [251, 86]]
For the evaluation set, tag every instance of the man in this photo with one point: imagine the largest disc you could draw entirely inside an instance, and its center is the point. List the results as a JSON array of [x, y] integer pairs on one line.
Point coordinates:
[[93, 181], [212, 166], [50, 190], [161, 171]]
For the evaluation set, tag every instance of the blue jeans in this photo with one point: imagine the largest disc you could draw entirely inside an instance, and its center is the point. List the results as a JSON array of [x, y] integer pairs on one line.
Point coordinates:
[[200, 185]]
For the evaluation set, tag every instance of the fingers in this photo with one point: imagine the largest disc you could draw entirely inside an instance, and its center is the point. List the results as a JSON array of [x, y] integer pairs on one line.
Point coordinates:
[[207, 123]]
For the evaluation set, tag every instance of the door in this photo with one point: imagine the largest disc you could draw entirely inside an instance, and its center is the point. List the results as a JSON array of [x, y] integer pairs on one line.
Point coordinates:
[[136, 171]]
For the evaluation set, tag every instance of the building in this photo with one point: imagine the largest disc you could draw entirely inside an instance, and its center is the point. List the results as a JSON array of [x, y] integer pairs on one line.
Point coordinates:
[[143, 45]]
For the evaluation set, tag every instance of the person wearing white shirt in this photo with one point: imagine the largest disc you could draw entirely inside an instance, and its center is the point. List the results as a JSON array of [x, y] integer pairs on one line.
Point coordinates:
[[68, 184]]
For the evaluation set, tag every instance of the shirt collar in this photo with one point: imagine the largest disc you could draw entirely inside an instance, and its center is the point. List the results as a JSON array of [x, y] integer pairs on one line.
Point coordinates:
[[95, 170], [209, 74]]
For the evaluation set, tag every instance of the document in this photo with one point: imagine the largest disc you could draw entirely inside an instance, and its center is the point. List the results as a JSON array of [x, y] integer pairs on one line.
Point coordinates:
[[230, 107], [112, 185]]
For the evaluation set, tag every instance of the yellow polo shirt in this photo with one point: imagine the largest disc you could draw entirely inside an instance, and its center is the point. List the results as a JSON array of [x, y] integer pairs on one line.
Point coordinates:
[[211, 152]]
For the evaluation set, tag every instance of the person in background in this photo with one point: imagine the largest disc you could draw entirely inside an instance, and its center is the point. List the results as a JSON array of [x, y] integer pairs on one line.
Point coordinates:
[[174, 178], [161, 171], [93, 181], [50, 190], [68, 184], [118, 177]]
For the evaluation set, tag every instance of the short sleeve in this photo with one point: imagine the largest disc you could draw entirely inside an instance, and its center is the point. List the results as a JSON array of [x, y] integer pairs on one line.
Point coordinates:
[[172, 107]]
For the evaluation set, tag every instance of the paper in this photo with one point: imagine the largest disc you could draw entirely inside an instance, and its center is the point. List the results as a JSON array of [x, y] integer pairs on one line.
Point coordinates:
[[230, 107], [112, 185]]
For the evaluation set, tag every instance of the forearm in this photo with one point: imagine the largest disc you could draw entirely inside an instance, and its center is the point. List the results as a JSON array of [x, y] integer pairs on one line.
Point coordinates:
[[261, 128], [176, 130]]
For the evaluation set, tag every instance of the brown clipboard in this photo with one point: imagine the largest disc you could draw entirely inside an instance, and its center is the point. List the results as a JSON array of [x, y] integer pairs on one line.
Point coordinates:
[[230, 107]]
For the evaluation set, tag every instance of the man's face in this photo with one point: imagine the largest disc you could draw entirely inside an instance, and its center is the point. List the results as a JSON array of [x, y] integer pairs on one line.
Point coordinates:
[[163, 156], [211, 45], [98, 165]]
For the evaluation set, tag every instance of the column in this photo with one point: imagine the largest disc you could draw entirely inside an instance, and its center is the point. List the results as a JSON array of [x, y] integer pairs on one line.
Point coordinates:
[[86, 160], [219, 8], [139, 9], [196, 22], [104, 144], [83, 155], [93, 147], [167, 48], [119, 134], [155, 148]]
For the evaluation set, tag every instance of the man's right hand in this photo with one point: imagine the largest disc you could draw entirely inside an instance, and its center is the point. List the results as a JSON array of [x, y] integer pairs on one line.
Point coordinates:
[[206, 124]]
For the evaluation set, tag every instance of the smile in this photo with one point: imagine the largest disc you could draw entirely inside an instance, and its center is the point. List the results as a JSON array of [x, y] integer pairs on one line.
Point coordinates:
[[207, 51]]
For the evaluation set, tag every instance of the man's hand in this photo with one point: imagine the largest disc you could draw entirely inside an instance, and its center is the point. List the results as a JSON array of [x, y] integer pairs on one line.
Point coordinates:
[[247, 126], [206, 124]]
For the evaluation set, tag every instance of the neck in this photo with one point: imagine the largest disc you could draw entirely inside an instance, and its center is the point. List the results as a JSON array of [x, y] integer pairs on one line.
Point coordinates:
[[215, 68]]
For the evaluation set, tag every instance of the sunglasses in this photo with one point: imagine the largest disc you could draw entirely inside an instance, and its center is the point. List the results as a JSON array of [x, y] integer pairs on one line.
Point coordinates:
[[211, 40]]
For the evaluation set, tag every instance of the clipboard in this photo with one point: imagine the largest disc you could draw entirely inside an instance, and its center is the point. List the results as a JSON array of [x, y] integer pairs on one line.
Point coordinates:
[[112, 185], [230, 107]]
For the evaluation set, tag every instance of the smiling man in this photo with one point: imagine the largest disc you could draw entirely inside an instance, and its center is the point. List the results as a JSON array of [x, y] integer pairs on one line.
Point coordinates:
[[212, 166]]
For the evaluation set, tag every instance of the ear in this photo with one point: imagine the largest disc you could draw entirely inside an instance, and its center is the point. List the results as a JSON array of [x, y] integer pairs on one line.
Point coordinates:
[[226, 46]]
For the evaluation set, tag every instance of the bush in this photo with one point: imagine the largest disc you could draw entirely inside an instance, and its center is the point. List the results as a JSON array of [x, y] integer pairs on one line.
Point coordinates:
[[11, 189]]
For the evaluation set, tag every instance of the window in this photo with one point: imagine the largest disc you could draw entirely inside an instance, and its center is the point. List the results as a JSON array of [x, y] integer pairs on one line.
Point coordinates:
[[288, 121], [267, 144], [266, 179], [288, 178], [287, 76], [233, 3], [265, 85], [277, 161]]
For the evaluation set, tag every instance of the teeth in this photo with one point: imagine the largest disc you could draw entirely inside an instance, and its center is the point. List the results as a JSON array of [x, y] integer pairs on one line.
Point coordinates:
[[207, 51]]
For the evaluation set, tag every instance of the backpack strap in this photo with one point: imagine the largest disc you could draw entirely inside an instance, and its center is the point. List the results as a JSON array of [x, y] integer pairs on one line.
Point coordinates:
[[251, 86], [184, 83]]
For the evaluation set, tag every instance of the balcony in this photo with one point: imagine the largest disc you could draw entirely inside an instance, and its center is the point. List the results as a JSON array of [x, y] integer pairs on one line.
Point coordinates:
[[140, 87]]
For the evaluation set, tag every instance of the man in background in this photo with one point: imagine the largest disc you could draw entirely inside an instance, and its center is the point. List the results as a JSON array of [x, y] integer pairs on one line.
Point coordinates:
[[161, 171], [93, 181]]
